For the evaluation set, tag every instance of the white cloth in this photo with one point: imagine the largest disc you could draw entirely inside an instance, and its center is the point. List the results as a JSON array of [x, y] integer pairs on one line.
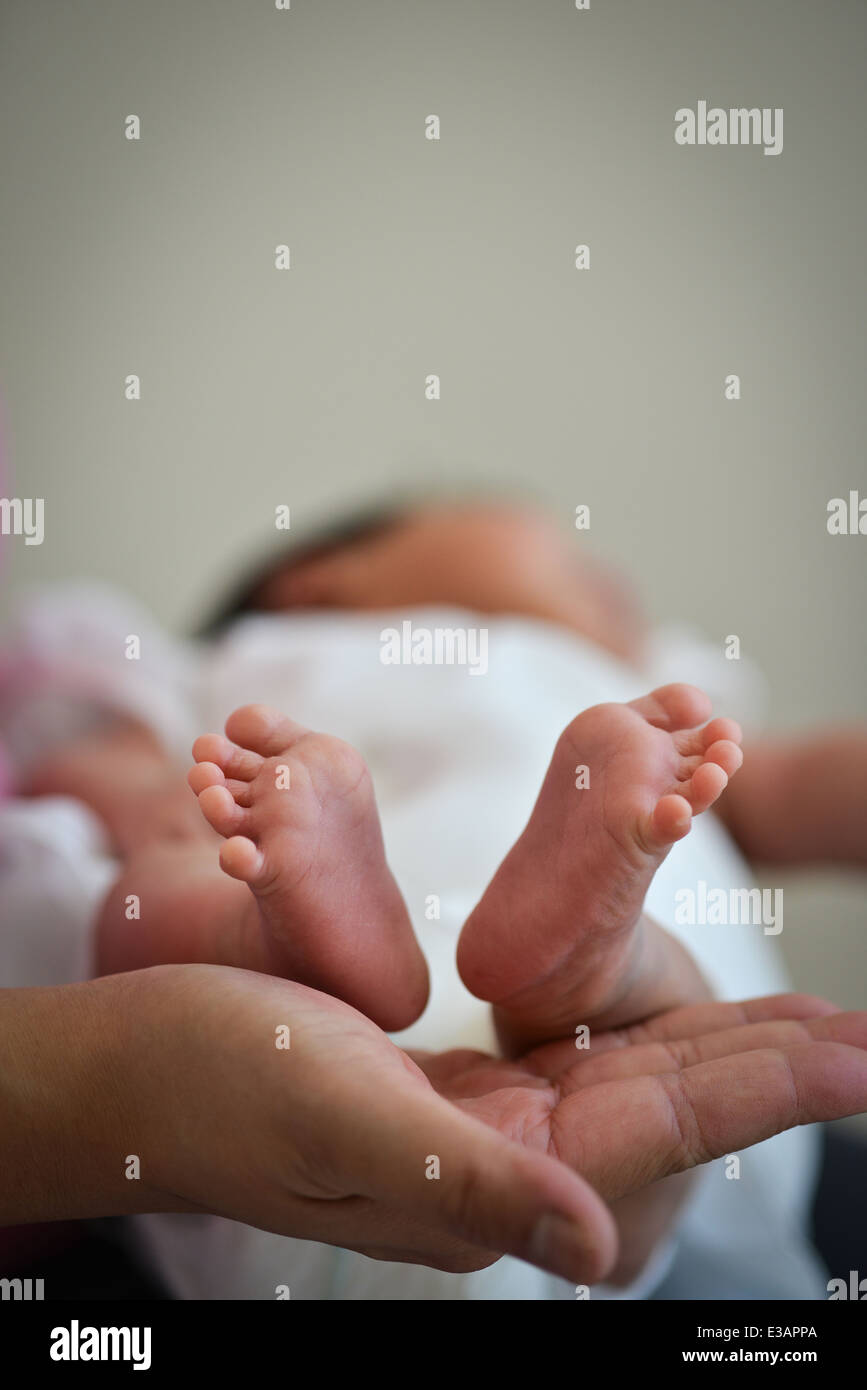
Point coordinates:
[[457, 760]]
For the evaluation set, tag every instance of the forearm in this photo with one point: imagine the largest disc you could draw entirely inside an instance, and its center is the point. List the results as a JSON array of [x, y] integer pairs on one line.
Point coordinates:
[[801, 800], [102, 767], [130, 782], [70, 1109]]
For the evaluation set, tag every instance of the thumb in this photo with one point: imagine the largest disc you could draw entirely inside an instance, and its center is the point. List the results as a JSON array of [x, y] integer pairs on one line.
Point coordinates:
[[419, 1153]]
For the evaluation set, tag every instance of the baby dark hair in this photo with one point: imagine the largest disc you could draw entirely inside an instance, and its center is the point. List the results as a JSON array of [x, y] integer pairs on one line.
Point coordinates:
[[243, 598]]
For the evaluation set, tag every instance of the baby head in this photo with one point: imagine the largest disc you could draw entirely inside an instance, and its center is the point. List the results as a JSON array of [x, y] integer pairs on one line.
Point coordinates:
[[493, 558]]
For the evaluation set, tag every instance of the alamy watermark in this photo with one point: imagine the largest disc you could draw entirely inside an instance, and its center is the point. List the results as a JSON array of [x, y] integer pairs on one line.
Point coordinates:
[[23, 516], [22, 1290], [720, 907], [855, 1288], [737, 126], [77, 1343], [438, 646]]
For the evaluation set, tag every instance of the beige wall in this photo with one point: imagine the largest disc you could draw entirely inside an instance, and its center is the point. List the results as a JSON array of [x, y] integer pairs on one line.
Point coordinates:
[[412, 257]]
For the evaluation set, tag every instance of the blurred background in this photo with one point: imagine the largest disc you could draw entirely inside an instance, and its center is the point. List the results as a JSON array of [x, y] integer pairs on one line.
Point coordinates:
[[456, 257]]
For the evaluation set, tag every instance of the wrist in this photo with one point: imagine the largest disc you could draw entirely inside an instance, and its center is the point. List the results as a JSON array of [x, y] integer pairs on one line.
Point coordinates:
[[73, 1117]]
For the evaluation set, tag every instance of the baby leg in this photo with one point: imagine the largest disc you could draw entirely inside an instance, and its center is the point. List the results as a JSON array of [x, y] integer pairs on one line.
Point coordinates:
[[559, 937], [301, 887], [302, 833], [172, 905]]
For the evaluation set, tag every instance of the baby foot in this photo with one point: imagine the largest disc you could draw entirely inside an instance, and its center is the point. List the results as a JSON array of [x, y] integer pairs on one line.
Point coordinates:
[[299, 818], [553, 939]]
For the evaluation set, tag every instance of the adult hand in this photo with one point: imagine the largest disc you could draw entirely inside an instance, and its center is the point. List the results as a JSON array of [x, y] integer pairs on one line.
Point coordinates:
[[171, 1089], [334, 1138]]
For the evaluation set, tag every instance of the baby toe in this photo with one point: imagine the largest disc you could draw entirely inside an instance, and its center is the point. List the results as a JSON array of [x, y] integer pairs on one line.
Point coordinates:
[[706, 784], [670, 821], [673, 707], [725, 754], [220, 810], [203, 775], [239, 763], [240, 858], [721, 729], [210, 748], [693, 742], [262, 729]]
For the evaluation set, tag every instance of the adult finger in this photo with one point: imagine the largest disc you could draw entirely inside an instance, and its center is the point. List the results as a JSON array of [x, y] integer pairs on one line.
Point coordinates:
[[657, 1057], [688, 1022], [624, 1134]]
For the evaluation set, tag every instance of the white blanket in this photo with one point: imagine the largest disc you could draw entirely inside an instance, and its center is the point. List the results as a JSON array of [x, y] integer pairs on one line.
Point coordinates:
[[457, 761]]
